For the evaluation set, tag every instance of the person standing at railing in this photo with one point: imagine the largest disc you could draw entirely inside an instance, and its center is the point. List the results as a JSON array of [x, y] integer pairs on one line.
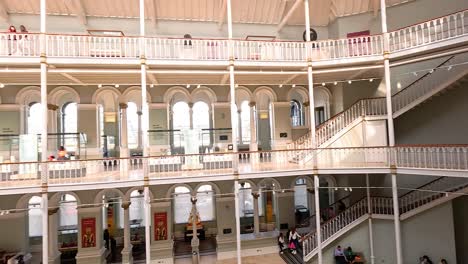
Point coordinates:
[[62, 153], [11, 40]]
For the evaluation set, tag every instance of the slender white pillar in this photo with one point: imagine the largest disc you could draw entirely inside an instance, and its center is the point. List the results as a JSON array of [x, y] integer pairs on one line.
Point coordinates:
[[253, 128], [317, 219], [310, 78], [256, 213], [195, 243], [369, 211], [239, 122], [388, 84], [396, 214], [127, 257], [140, 130], [147, 224], [45, 227], [190, 105], [236, 207], [123, 131], [54, 253]]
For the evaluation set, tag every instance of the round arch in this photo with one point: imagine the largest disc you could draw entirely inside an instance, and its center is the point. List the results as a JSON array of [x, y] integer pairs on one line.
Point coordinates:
[[133, 94], [213, 185], [265, 180], [55, 199], [126, 198], [309, 181], [98, 198], [28, 95], [242, 94], [102, 95], [298, 92], [252, 185], [204, 94], [106, 89], [171, 190], [322, 97], [177, 94], [63, 94]]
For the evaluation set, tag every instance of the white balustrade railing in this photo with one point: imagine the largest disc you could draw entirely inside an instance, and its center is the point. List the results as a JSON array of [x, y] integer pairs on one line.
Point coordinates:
[[21, 45], [269, 51], [438, 29], [187, 49], [447, 158], [346, 48], [92, 46]]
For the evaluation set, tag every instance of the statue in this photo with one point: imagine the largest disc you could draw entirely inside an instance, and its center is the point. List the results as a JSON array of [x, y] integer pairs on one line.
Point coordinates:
[[197, 221]]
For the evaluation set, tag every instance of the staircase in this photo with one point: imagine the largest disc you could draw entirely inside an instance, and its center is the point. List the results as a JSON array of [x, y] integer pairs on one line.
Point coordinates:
[[411, 203], [406, 99], [290, 258]]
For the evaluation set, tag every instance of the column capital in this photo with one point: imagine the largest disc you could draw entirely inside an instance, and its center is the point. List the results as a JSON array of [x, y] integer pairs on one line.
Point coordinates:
[[255, 195], [139, 113], [190, 105], [53, 211], [306, 104], [126, 205], [52, 107], [193, 199], [252, 104], [123, 106]]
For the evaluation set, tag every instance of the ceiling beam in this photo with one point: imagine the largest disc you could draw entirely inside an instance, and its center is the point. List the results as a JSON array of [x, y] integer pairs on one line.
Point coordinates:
[[376, 7], [291, 11], [222, 15], [77, 7], [225, 78], [69, 76], [3, 12]]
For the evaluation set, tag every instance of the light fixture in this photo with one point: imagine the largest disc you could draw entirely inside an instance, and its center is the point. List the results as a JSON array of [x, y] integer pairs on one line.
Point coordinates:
[[99, 86], [431, 71], [323, 84], [188, 86], [293, 85], [237, 85], [446, 194], [346, 189], [335, 83], [2, 85], [349, 81], [336, 189], [449, 68], [398, 85], [415, 74], [198, 86], [350, 189], [280, 86], [371, 80], [117, 86], [151, 85]]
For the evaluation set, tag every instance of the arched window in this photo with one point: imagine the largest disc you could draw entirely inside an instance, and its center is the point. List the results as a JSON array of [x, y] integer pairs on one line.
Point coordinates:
[[68, 214], [180, 121], [112, 206], [205, 203], [245, 200], [300, 194], [34, 123], [201, 120], [182, 204], [35, 216], [137, 208], [132, 125], [245, 122], [297, 114], [70, 125]]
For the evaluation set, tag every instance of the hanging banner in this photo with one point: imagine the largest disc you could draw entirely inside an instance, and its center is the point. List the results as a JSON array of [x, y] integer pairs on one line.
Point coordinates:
[[160, 221], [88, 232]]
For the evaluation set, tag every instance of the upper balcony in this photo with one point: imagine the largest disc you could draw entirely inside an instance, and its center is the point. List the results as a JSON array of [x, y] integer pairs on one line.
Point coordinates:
[[441, 33]]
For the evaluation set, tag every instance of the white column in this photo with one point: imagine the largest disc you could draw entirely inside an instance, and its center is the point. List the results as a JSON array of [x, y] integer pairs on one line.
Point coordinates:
[[388, 84], [371, 231], [396, 214], [140, 130], [239, 122], [127, 257], [147, 224], [310, 78], [45, 228], [123, 131], [190, 105], [44, 172], [317, 219], [52, 119], [236, 207], [54, 253], [256, 213], [253, 128]]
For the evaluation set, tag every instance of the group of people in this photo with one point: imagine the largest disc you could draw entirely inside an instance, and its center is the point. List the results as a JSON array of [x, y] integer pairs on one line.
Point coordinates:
[[12, 29], [345, 256], [426, 260], [294, 240]]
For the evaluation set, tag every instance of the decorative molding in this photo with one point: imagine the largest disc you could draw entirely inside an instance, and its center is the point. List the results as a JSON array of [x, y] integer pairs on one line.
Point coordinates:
[[161, 204], [158, 105], [306, 104], [53, 211], [221, 105], [10, 107], [255, 195], [126, 205], [123, 105], [281, 104], [87, 106], [52, 107]]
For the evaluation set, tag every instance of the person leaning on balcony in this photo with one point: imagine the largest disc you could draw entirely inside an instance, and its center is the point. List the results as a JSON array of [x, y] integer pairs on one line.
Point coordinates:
[[11, 40], [62, 153], [443, 261]]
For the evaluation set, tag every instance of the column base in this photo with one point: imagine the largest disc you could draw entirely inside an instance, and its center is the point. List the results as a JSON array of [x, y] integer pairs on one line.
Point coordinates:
[[95, 256], [55, 259], [127, 257], [162, 252], [124, 152]]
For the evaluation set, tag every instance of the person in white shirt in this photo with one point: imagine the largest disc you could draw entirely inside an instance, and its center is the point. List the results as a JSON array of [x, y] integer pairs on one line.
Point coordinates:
[[339, 255], [294, 237], [281, 242]]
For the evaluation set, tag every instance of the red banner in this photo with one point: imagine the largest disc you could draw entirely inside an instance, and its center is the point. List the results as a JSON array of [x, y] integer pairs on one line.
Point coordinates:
[[88, 232], [160, 221]]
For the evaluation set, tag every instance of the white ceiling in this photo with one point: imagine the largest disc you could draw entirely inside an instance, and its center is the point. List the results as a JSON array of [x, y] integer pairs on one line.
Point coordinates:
[[322, 12]]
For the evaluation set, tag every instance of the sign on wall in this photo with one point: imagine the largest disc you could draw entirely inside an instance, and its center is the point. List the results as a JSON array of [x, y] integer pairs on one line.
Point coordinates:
[[88, 232], [160, 221]]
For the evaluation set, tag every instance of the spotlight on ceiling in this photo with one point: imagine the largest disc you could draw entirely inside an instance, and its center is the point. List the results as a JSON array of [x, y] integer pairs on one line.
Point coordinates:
[[237, 85], [151, 85], [293, 85], [188, 86], [449, 68], [398, 85], [280, 86], [198, 86], [415, 74], [349, 81], [323, 84], [371, 80], [117, 86], [2, 85], [99, 86], [431, 71], [335, 83]]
